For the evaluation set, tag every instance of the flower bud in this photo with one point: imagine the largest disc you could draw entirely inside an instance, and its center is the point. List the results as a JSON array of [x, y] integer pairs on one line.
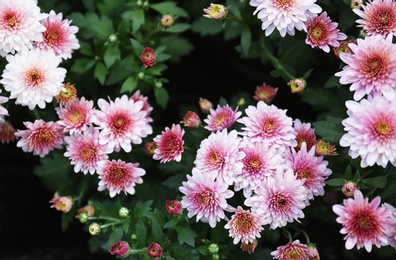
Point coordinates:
[[150, 147], [119, 248], [83, 217], [349, 188], [148, 57], [191, 119], [154, 250], [112, 38], [323, 148], [343, 47], [7, 133], [297, 85], [213, 248], [94, 229], [216, 256], [88, 209], [174, 207], [62, 203], [265, 93], [167, 20], [215, 11], [205, 105], [123, 212], [314, 252]]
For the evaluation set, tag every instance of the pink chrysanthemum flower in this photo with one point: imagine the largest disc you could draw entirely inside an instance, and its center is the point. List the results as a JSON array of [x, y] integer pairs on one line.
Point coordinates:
[[146, 105], [40, 137], [221, 118], [169, 144], [268, 124], [59, 35], [3, 110], [371, 131], [117, 176], [33, 77], [309, 167], [84, 150], [265, 93], [323, 33], [205, 197], [377, 17], [285, 16], [7, 133], [120, 248], [391, 225], [191, 119], [371, 68], [260, 162], [19, 25], [292, 251], [305, 133], [122, 122], [62, 203], [279, 200], [76, 116], [363, 222], [244, 226], [220, 155]]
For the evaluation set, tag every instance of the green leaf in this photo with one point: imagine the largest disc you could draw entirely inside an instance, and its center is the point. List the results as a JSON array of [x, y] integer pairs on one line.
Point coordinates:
[[122, 69], [172, 223], [176, 46], [137, 47], [348, 173], [330, 130], [205, 26], [156, 69], [115, 236], [111, 55], [233, 8], [377, 182], [246, 40], [137, 19], [161, 96], [389, 190], [177, 28], [174, 181], [100, 72], [141, 233], [67, 218], [186, 235], [332, 82], [141, 209], [335, 182], [169, 8], [129, 84]]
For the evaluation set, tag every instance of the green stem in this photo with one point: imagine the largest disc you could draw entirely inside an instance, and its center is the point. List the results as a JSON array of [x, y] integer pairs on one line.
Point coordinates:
[[105, 218], [276, 63]]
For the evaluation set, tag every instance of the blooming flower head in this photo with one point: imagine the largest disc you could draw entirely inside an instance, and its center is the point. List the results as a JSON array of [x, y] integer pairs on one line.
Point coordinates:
[[220, 155], [67, 95], [191, 119], [297, 85], [120, 248], [205, 105], [221, 118], [84, 150], [377, 17], [305, 133], [268, 124], [279, 200], [76, 116], [215, 11], [62, 203], [169, 144], [122, 122], [19, 25], [205, 197], [40, 137], [371, 68], [244, 226], [348, 189], [285, 16], [265, 93], [343, 47], [323, 148], [173, 207], [148, 57], [371, 131], [117, 176], [59, 35], [322, 32], [363, 222], [154, 250], [292, 251], [7, 133]]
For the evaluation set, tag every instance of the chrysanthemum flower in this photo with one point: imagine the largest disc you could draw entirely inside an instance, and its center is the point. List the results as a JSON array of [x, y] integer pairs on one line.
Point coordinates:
[[205, 105], [7, 133], [67, 95], [309, 167], [62, 203], [292, 251], [377, 17], [279, 200], [154, 250], [40, 137], [244, 226], [174, 207], [322, 32], [169, 144], [76, 116], [305, 133], [323, 148], [120, 248], [391, 225], [122, 122], [117, 176], [58, 36], [348, 189], [205, 197], [285, 16], [268, 124], [343, 47], [220, 155], [3, 110], [33, 77], [265, 93], [221, 118], [363, 222], [19, 25], [84, 150], [371, 68], [191, 119], [148, 57], [371, 131], [297, 85], [215, 11]]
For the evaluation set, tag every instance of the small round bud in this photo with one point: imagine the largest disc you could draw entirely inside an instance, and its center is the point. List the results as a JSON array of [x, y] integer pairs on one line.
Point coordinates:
[[120, 248], [297, 85], [112, 38], [94, 229], [154, 250], [167, 20], [191, 119], [133, 236], [83, 217], [213, 248], [158, 84], [148, 57], [141, 75], [123, 212], [173, 207], [216, 256], [241, 102], [139, 2], [349, 188], [205, 105]]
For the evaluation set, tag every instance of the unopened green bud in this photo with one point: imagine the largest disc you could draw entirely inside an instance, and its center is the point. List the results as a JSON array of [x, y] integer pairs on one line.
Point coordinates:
[[141, 75], [133, 237], [83, 217], [123, 212], [241, 102], [94, 229], [213, 248], [112, 38], [216, 256], [158, 84]]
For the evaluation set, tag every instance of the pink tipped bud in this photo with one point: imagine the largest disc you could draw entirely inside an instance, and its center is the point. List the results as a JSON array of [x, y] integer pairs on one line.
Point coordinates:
[[349, 188], [297, 85], [167, 20], [174, 207], [215, 11], [314, 254], [119, 248], [62, 203], [265, 93], [148, 57], [154, 250], [7, 133], [150, 147], [191, 119], [205, 105]]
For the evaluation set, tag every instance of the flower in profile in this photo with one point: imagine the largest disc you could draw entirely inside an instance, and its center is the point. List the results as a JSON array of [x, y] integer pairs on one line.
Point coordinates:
[[285, 16], [120, 248], [122, 123], [313, 251], [297, 85], [76, 116], [7, 133], [343, 47], [371, 131], [363, 222], [244, 226], [148, 57], [292, 251], [40, 137], [19, 25], [174, 207], [191, 119], [3, 110], [305, 133], [265, 93], [169, 144], [221, 118], [59, 35], [117, 176], [377, 17], [205, 197], [205, 105], [371, 68], [249, 247], [154, 250], [391, 225], [167, 20], [219, 155], [268, 124], [279, 200], [87, 209], [348, 189], [84, 151], [67, 95], [215, 11], [33, 77], [62, 203], [323, 148], [322, 32]]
